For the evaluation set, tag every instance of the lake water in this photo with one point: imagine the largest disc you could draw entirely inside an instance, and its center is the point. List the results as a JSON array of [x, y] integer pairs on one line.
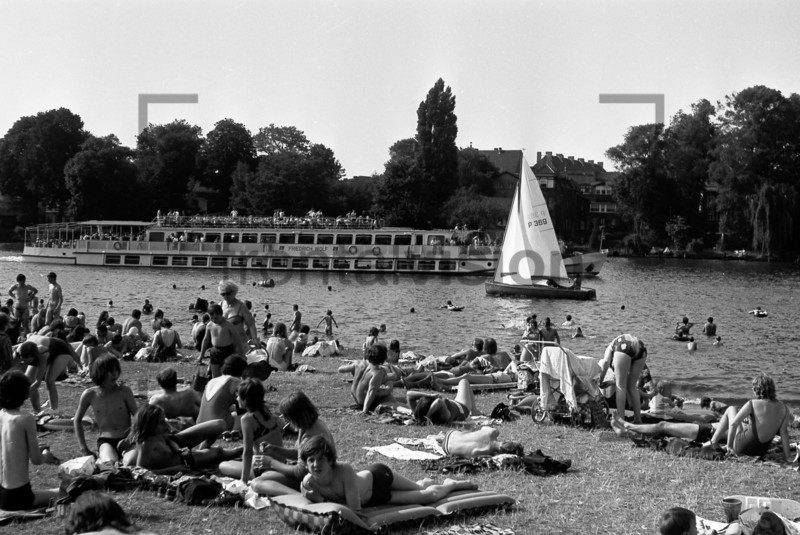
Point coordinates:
[[655, 294]]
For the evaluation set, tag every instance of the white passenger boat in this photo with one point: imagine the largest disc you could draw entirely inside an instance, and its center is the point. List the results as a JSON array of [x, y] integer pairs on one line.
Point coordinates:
[[585, 264], [291, 243]]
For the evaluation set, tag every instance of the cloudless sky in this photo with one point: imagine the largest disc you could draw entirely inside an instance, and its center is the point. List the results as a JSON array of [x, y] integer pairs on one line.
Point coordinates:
[[527, 74]]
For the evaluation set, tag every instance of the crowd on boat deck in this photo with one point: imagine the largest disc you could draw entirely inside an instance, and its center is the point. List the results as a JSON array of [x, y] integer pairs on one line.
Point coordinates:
[[312, 219]]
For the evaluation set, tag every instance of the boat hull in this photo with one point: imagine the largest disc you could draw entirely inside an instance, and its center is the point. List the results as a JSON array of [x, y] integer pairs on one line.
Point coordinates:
[[542, 292], [586, 264]]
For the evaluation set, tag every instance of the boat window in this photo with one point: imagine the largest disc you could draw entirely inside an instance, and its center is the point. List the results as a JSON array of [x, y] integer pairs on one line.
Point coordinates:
[[113, 259], [383, 264], [447, 265], [405, 264], [181, 261], [305, 239], [219, 261], [199, 261], [259, 262], [363, 264], [230, 237], [268, 238], [435, 239], [344, 239], [321, 263], [426, 265], [155, 236], [418, 239], [325, 239], [239, 261], [249, 238], [341, 264], [285, 238], [160, 260], [212, 237], [402, 239], [383, 239], [280, 262], [363, 239], [299, 262]]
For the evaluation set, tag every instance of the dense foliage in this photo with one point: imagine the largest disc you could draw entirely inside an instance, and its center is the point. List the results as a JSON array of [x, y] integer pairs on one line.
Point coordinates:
[[725, 176]]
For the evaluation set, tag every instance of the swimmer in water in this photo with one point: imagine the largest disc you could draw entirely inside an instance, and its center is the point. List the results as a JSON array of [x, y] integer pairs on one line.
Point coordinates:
[[578, 333], [174, 286], [110, 303], [718, 341]]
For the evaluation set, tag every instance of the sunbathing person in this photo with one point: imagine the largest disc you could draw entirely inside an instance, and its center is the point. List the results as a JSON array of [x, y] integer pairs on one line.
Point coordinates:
[[158, 450], [440, 410], [329, 480], [767, 418], [277, 477], [176, 404], [466, 355], [477, 443]]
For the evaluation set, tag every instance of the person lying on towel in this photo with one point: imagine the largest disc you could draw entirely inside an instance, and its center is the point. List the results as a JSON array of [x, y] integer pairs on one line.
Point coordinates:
[[332, 481], [483, 441]]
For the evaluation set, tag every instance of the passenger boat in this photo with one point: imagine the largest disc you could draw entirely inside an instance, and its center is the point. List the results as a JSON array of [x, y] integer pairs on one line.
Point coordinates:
[[266, 243], [587, 264], [530, 263]]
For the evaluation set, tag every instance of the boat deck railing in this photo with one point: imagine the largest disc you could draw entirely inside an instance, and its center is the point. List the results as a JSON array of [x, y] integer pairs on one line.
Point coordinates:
[[291, 222]]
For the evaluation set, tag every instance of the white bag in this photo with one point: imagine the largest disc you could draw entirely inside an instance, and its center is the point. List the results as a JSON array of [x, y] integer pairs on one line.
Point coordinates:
[[80, 466]]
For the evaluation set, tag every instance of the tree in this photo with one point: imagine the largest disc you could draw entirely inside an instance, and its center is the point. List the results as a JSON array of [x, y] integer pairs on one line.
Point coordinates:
[[437, 154], [399, 196], [168, 161], [468, 207], [101, 173], [281, 139], [228, 144], [642, 191], [475, 169], [33, 154]]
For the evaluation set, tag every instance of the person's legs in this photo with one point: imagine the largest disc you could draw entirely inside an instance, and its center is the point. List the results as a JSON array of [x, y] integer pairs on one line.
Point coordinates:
[[273, 483], [466, 397], [35, 376], [107, 453], [633, 391], [417, 380], [474, 379], [43, 497], [232, 469], [215, 455], [406, 492], [205, 432], [686, 431], [721, 433], [622, 368], [53, 371]]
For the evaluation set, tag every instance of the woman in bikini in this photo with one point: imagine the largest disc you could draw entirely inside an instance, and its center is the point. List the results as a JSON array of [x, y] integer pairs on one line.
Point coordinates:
[[626, 355], [438, 409], [259, 426], [237, 313]]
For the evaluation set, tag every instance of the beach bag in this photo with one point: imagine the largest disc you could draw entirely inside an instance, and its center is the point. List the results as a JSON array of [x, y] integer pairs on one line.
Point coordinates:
[[201, 378], [196, 490], [527, 378], [260, 370]]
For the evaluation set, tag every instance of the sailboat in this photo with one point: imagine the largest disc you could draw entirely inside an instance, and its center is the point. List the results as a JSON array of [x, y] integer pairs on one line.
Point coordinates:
[[530, 262]]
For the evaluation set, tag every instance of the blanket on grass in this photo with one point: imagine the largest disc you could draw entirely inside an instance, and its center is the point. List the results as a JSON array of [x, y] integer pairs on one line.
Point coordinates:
[[535, 463], [693, 449]]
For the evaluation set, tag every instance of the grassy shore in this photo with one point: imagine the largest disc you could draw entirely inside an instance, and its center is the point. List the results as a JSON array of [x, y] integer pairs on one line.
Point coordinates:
[[612, 486]]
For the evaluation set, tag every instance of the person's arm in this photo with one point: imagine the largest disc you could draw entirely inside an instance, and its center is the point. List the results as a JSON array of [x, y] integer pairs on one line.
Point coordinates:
[[784, 433], [347, 368], [248, 444], [35, 454], [156, 341], [439, 406], [178, 341], [320, 322], [414, 396], [11, 290], [204, 345], [604, 365], [83, 405], [558, 338], [352, 493], [250, 321], [279, 451], [733, 425], [111, 349], [334, 322], [59, 297]]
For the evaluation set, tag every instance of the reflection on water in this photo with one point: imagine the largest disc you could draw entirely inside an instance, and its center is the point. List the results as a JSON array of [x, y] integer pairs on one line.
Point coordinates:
[[655, 294]]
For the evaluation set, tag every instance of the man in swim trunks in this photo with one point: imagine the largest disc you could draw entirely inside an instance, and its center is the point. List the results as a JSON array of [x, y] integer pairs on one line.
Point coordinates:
[[221, 341], [55, 298], [22, 294], [297, 322], [484, 441]]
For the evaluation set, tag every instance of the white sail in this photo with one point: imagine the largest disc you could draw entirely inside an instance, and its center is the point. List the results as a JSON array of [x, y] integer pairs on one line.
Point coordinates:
[[530, 252]]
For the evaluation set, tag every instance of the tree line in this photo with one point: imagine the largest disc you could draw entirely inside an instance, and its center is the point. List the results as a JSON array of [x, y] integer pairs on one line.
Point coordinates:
[[52, 163], [725, 175]]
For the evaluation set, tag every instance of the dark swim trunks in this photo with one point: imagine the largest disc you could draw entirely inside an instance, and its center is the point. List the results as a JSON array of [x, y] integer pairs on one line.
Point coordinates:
[[217, 355], [17, 499], [623, 345], [114, 442], [704, 433], [382, 479]]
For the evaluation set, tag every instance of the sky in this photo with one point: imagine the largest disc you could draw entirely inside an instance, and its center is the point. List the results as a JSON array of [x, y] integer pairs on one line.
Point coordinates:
[[526, 74]]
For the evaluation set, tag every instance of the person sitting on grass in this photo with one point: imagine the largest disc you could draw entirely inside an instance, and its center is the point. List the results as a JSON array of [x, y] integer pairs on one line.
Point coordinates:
[[372, 384], [176, 404], [219, 397], [18, 445], [276, 477], [438, 409], [113, 406], [332, 481], [259, 426], [95, 512], [154, 447]]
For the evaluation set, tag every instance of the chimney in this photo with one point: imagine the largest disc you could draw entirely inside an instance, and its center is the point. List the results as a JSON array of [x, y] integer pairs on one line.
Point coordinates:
[[600, 164], [538, 156], [559, 156], [500, 150], [591, 162], [548, 153]]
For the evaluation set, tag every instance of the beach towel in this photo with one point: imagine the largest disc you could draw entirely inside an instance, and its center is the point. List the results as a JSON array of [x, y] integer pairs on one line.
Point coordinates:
[[565, 367], [398, 451]]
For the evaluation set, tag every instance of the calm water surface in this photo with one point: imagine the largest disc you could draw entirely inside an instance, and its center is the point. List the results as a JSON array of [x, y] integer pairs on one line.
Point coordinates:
[[655, 294]]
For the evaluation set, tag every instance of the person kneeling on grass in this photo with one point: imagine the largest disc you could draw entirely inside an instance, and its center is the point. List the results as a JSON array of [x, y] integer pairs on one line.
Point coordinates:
[[162, 452], [18, 444], [329, 480]]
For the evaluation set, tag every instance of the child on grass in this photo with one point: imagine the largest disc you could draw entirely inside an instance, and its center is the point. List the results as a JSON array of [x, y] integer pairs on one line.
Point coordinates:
[[259, 426], [113, 405], [279, 477], [18, 445]]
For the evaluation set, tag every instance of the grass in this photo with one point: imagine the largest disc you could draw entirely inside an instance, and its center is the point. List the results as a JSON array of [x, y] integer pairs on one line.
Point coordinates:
[[612, 487]]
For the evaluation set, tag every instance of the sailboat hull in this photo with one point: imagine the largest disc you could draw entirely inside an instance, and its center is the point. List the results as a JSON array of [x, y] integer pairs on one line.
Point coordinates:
[[543, 292]]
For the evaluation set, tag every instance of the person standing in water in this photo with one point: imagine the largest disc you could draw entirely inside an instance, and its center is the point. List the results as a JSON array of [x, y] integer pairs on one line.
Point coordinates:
[[55, 298]]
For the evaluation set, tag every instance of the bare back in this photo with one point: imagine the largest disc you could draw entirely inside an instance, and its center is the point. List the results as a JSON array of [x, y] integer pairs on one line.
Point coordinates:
[[177, 404]]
